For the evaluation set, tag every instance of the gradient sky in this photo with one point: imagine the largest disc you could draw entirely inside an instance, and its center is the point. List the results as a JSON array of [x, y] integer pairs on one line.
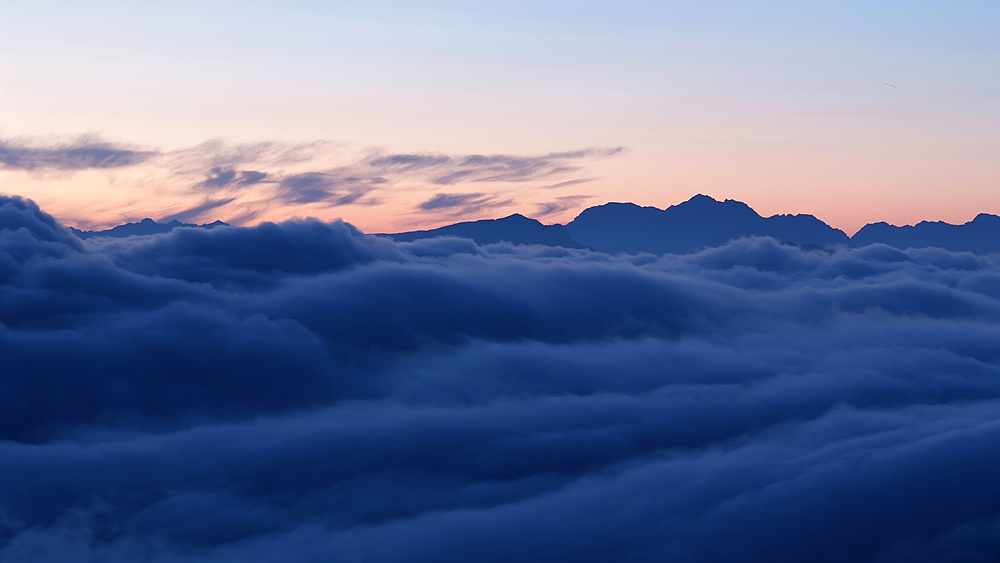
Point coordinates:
[[401, 115]]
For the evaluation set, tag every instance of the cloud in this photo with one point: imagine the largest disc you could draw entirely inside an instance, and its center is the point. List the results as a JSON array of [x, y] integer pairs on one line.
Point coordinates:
[[241, 182], [408, 162], [462, 204], [83, 153], [450, 169], [333, 187], [301, 391], [568, 183], [219, 178], [564, 203], [197, 211], [220, 154], [222, 166]]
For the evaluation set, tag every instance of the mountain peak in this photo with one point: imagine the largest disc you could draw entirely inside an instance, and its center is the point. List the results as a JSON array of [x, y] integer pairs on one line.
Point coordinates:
[[701, 221], [986, 218], [700, 199], [517, 217], [707, 204]]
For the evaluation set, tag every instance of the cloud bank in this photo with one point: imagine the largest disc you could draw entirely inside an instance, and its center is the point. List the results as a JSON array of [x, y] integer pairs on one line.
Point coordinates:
[[305, 392]]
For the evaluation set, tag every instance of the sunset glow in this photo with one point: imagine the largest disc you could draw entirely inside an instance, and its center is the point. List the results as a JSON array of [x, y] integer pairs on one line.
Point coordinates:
[[851, 111]]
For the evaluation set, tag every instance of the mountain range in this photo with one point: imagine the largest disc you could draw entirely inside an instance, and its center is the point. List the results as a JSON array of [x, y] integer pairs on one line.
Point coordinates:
[[981, 235], [697, 223], [145, 227], [700, 222], [704, 222]]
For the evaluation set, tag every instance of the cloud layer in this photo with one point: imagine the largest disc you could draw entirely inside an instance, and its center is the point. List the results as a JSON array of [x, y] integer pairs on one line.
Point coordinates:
[[305, 392]]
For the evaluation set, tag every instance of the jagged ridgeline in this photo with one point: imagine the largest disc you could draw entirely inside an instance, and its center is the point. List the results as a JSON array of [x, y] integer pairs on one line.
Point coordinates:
[[698, 223], [704, 222]]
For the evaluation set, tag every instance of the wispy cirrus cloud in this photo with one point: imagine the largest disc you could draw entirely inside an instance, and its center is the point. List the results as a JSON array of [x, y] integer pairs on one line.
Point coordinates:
[[222, 178], [82, 153], [564, 203], [217, 153], [335, 187], [450, 169], [461, 204], [196, 211], [567, 183], [356, 180], [272, 180]]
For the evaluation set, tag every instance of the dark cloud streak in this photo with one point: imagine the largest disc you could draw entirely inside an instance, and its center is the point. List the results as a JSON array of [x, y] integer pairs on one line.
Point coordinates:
[[463, 204], [448, 169], [336, 187], [197, 211], [86, 152], [220, 178]]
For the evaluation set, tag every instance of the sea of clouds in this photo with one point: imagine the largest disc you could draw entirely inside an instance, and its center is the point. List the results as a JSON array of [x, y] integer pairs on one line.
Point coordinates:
[[306, 392]]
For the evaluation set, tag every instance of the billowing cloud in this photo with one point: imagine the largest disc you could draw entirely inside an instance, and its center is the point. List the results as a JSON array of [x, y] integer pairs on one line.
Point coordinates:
[[303, 391], [82, 153]]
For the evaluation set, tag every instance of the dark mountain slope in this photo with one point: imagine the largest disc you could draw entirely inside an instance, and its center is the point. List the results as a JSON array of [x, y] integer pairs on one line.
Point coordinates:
[[697, 223], [981, 235], [145, 227], [700, 222]]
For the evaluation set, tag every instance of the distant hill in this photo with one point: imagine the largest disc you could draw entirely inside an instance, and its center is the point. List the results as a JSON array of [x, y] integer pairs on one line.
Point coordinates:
[[981, 235], [516, 229], [699, 222], [145, 227]]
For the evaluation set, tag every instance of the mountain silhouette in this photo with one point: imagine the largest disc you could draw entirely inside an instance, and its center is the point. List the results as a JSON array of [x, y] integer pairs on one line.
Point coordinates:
[[516, 229], [699, 222], [981, 235], [145, 227]]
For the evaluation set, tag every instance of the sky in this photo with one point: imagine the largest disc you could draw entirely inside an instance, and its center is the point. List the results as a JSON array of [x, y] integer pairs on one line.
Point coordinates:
[[404, 115]]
